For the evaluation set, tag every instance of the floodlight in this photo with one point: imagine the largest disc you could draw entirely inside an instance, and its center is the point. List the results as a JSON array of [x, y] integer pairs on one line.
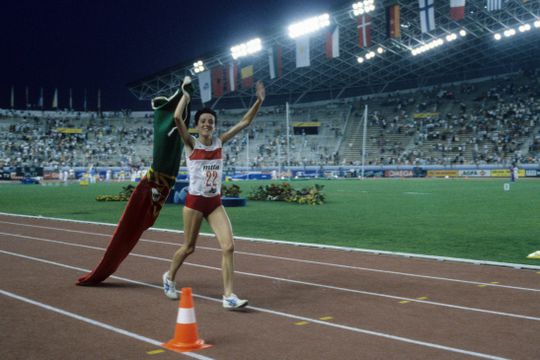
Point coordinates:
[[360, 59], [363, 7], [247, 48], [380, 50], [198, 66], [523, 28], [462, 32], [537, 24], [497, 36], [309, 25], [432, 44], [509, 32]]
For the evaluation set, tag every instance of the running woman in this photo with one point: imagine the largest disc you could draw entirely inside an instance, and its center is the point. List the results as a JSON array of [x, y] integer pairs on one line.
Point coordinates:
[[203, 201]]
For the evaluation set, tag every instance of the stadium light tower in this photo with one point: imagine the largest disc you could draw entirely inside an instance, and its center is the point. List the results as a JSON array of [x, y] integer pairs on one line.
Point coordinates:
[[309, 25], [198, 67], [363, 7], [247, 48]]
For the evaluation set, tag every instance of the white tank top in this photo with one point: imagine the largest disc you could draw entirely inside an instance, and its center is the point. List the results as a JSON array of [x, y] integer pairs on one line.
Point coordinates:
[[205, 168]]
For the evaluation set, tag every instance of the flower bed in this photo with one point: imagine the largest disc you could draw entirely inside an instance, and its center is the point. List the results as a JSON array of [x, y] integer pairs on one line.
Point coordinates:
[[284, 192]]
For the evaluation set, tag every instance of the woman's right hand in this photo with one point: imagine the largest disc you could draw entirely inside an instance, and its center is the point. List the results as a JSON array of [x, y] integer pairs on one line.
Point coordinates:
[[185, 84]]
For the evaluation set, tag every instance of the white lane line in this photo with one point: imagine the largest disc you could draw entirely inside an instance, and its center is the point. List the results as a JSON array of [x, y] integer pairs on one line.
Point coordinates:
[[287, 315], [359, 268], [308, 245], [273, 278], [95, 322]]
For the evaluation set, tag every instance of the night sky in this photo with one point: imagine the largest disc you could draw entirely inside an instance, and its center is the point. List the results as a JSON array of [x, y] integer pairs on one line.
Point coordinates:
[[105, 44]]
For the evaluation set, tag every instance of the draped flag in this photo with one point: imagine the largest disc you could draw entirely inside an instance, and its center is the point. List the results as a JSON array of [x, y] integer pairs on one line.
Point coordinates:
[[232, 75], [217, 81], [457, 9], [427, 15], [393, 21], [275, 63], [493, 5], [147, 199], [302, 52], [246, 74], [205, 86], [332, 43], [364, 31]]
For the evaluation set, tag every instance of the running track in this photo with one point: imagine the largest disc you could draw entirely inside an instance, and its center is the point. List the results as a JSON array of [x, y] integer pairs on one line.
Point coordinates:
[[305, 303]]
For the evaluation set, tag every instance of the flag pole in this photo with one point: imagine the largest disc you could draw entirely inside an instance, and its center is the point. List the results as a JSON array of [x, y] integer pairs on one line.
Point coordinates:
[[247, 150], [364, 139], [288, 150]]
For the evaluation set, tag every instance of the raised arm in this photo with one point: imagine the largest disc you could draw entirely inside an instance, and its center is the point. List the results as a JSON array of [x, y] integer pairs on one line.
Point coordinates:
[[248, 117], [179, 114]]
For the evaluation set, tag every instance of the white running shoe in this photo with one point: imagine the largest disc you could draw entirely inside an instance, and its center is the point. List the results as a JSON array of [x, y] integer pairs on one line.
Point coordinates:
[[233, 302], [169, 287]]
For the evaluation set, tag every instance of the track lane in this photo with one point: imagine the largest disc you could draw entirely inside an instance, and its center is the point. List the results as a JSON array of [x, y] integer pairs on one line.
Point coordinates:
[[266, 338], [308, 297]]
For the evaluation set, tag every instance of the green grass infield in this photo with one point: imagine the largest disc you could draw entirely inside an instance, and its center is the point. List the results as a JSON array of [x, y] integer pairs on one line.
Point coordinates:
[[464, 218]]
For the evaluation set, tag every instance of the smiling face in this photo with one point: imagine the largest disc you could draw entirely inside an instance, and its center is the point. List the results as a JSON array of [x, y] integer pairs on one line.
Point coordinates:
[[206, 124]]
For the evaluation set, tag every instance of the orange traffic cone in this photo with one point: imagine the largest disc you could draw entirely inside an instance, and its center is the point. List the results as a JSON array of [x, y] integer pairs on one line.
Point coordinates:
[[186, 336]]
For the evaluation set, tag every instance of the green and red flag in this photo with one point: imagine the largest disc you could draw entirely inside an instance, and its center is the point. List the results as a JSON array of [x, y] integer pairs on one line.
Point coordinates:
[[147, 199]]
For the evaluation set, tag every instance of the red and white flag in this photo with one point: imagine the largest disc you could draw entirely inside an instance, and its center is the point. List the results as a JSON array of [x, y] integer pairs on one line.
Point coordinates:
[[457, 9], [332, 43], [364, 31]]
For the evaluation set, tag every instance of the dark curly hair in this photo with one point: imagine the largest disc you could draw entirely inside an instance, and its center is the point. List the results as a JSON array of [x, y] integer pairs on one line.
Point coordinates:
[[205, 110]]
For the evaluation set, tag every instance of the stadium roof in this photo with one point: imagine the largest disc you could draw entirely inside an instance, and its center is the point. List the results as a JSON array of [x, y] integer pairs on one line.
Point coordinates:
[[477, 54]]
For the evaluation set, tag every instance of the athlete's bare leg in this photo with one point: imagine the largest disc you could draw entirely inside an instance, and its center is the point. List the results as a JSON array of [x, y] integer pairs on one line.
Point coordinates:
[[192, 226], [220, 224]]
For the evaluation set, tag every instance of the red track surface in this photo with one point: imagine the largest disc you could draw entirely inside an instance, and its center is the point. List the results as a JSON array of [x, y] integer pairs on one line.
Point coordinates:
[[305, 303]]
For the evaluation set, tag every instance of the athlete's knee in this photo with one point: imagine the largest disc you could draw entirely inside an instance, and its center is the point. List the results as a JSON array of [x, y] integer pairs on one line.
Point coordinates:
[[228, 248], [186, 250], [189, 249]]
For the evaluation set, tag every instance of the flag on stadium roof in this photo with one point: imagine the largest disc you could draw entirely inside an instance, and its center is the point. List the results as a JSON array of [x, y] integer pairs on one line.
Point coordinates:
[[393, 21], [427, 15], [205, 86], [246, 74], [493, 5], [217, 81], [364, 31], [457, 9], [275, 62], [332, 43], [302, 52], [232, 75]]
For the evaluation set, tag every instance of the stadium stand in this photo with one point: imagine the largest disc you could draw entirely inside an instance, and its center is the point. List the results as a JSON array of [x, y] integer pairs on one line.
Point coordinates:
[[485, 121]]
